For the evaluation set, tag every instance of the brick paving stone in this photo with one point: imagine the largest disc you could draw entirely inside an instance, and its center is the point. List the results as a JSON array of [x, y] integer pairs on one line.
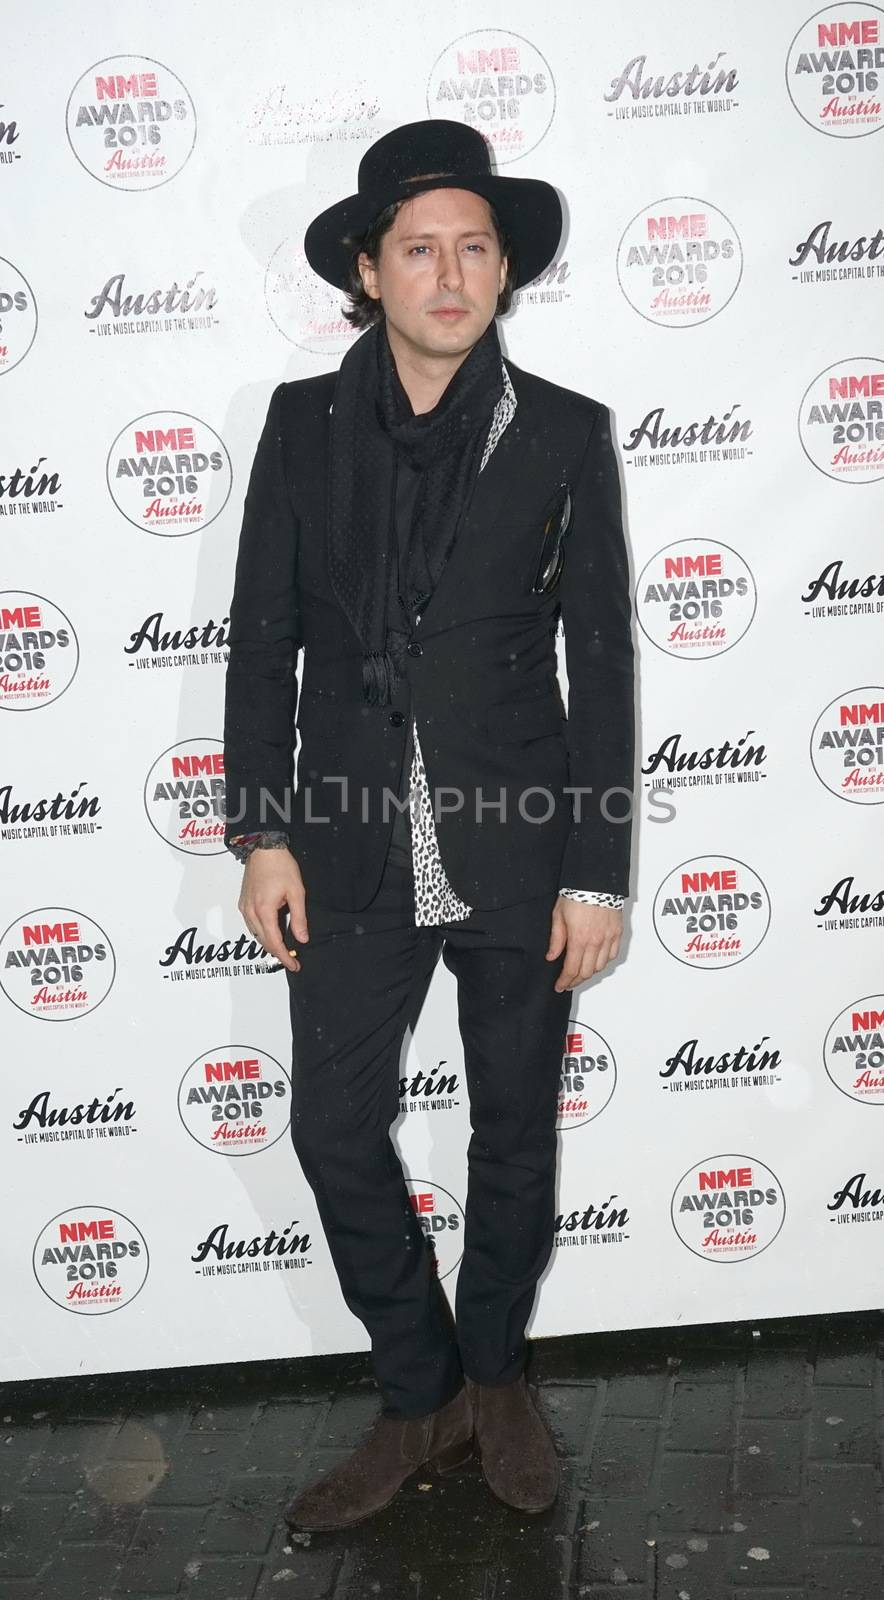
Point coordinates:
[[643, 1395], [622, 1457], [244, 1521], [695, 1493], [845, 1504], [305, 1574], [614, 1545], [200, 1467], [836, 1576], [770, 1457], [569, 1411], [702, 1417], [162, 1545], [347, 1420], [776, 1383], [235, 1578], [770, 1548], [843, 1426], [696, 1564], [81, 1571]]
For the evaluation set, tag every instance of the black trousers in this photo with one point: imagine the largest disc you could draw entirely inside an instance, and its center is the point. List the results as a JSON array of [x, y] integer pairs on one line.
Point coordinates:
[[363, 978]]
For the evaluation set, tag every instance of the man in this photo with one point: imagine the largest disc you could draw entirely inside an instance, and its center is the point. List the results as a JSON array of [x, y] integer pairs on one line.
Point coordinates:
[[419, 522]]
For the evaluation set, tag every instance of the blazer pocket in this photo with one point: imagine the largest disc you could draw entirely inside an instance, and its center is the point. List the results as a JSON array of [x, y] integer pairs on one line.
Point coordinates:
[[515, 720]]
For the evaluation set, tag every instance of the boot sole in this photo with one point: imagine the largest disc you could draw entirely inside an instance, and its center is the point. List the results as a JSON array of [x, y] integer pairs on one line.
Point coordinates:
[[443, 1462]]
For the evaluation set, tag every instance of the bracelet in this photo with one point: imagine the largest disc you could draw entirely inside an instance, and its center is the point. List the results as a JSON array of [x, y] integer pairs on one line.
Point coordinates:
[[242, 844]]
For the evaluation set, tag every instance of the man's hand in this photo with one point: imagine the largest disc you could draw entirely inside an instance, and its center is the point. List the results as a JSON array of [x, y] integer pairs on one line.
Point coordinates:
[[272, 879], [591, 934]]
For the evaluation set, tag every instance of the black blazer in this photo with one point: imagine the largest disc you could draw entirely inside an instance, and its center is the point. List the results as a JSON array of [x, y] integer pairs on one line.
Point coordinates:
[[481, 682]]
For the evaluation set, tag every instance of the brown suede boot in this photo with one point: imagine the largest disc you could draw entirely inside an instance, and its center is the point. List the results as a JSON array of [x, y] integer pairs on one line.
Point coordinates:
[[519, 1461], [371, 1477]]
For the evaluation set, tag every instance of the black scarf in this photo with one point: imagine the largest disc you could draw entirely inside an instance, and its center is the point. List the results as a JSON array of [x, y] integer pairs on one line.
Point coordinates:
[[373, 426]]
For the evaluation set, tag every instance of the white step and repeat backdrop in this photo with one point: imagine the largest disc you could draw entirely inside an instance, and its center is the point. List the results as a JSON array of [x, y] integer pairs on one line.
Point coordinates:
[[720, 287]]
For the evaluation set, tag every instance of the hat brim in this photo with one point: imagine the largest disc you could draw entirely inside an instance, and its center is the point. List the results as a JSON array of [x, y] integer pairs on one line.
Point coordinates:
[[529, 209]]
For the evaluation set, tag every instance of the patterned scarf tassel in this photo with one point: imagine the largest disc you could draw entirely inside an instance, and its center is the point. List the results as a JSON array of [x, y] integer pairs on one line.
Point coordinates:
[[378, 677]]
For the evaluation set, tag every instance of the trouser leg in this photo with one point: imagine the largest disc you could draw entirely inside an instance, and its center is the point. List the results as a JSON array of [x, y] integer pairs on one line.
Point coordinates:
[[512, 1025], [361, 973]]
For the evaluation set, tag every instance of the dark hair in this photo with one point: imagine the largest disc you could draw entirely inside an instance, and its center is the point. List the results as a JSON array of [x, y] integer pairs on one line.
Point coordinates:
[[361, 310]]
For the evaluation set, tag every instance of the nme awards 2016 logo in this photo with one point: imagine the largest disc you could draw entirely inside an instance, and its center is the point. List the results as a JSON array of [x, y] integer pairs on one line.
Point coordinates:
[[169, 473], [695, 599], [588, 1078], [853, 1050], [711, 912], [38, 651], [499, 83], [847, 746], [56, 964], [442, 1220], [184, 796], [131, 122], [679, 261], [728, 1208], [18, 316], [306, 309], [235, 1100], [834, 70], [91, 1259], [841, 420]]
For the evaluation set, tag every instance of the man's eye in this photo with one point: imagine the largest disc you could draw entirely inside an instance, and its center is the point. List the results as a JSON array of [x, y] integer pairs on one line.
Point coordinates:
[[479, 247], [416, 247]]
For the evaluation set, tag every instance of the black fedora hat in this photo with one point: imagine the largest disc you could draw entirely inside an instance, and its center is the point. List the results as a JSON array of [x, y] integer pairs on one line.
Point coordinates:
[[436, 154]]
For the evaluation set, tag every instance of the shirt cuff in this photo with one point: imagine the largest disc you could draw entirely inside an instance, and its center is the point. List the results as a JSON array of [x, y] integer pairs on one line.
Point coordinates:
[[593, 897]]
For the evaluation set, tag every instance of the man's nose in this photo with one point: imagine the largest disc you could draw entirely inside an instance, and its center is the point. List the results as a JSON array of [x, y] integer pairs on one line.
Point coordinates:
[[450, 270]]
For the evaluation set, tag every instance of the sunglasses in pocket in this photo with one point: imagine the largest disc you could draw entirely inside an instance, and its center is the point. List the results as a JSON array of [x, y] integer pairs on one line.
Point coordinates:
[[556, 522]]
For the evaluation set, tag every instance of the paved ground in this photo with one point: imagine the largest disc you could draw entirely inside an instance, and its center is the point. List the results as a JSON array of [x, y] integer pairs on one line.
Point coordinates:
[[721, 1463]]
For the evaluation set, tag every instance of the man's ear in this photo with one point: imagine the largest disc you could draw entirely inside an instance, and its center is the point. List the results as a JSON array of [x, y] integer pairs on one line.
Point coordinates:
[[368, 272], [504, 267]]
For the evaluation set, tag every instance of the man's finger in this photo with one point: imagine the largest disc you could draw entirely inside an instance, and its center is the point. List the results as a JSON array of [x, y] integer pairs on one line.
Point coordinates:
[[298, 917], [272, 939]]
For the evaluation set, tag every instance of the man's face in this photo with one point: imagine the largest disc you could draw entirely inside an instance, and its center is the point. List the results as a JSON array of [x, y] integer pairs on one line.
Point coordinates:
[[439, 271]]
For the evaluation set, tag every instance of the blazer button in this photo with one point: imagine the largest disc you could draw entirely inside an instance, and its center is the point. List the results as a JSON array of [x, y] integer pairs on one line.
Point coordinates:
[[415, 649], [397, 718]]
